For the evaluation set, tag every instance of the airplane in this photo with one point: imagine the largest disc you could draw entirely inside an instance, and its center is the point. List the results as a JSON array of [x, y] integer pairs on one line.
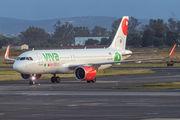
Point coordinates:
[[84, 63]]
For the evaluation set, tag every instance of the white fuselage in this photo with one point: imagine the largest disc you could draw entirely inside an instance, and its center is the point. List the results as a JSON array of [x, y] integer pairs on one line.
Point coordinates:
[[58, 61]]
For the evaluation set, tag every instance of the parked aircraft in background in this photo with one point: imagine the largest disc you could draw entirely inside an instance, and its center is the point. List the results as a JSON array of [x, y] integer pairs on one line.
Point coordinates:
[[83, 62]]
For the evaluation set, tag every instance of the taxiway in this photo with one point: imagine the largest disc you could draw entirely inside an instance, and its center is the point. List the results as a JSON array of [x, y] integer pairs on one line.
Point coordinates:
[[77, 100]]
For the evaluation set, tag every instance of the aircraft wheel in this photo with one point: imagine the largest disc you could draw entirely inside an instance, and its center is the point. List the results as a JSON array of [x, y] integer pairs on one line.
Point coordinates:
[[53, 79], [32, 82], [89, 81], [94, 80], [58, 79]]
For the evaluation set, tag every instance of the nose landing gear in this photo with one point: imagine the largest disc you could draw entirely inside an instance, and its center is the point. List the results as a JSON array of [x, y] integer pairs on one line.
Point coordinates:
[[31, 82]]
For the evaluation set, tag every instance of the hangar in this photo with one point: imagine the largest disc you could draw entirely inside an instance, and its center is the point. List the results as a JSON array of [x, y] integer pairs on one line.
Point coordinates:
[[17, 47]]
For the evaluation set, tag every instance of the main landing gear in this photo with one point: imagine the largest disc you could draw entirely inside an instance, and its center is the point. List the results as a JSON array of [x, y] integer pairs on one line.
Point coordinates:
[[55, 79], [92, 81]]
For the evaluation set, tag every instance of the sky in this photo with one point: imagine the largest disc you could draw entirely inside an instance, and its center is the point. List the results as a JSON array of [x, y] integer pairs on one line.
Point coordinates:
[[52, 9]]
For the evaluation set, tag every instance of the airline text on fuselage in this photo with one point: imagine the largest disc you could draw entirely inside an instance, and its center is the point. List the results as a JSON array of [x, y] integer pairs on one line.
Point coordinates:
[[51, 56]]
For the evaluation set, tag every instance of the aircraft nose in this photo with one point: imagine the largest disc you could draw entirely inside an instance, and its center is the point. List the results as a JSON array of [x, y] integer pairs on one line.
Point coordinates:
[[16, 67], [22, 67]]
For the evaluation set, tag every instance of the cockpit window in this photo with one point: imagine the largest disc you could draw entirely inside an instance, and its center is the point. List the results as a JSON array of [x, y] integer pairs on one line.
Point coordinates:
[[27, 58], [30, 58], [22, 58]]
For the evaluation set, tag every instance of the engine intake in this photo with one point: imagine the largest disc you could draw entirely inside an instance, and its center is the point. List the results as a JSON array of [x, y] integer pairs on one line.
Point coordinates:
[[84, 73], [30, 76]]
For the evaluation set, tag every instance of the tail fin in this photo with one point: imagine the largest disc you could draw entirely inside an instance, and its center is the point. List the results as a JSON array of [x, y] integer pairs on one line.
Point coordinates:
[[119, 40]]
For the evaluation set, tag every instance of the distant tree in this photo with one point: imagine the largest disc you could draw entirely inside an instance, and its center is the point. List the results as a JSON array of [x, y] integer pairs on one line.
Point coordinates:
[[166, 28], [171, 38], [12, 40], [178, 26], [105, 41], [147, 39], [172, 24], [64, 32], [115, 26], [3, 40], [133, 23], [99, 31], [158, 27], [91, 42], [134, 39], [81, 32], [145, 27], [33, 35], [157, 42]]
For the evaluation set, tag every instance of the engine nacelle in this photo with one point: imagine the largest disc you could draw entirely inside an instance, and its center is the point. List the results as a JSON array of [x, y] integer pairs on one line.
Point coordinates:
[[85, 73], [30, 76], [138, 62]]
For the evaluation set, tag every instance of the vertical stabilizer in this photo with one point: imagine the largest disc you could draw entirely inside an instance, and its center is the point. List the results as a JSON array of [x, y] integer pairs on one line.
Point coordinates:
[[119, 40]]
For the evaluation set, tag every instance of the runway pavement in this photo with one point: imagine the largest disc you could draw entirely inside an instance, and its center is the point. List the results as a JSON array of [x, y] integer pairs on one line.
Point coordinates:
[[77, 100]]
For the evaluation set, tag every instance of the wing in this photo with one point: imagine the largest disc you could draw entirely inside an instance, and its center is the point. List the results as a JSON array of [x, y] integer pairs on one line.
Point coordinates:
[[6, 56], [103, 63], [139, 53]]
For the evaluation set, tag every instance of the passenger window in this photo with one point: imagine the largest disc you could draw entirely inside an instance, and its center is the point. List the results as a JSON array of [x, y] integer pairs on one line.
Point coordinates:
[[23, 58]]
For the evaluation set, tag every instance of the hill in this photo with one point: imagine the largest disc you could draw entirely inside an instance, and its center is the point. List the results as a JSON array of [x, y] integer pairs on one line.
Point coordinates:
[[15, 26]]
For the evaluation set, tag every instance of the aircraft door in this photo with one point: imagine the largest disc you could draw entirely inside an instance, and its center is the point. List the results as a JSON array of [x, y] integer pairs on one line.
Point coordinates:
[[72, 58], [40, 59]]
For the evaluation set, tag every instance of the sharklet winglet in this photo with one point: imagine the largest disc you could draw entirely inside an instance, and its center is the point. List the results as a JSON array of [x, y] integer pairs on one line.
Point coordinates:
[[6, 56], [172, 51], [7, 52]]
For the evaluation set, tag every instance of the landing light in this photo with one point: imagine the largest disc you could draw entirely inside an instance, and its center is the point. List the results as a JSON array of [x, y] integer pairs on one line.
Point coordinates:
[[33, 78]]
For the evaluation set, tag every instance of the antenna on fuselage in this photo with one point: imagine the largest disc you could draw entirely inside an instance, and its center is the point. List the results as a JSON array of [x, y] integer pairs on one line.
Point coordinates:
[[33, 49]]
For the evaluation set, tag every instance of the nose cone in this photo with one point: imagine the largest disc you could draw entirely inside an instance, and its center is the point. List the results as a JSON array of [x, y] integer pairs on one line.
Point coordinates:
[[23, 67], [17, 67], [20, 67]]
